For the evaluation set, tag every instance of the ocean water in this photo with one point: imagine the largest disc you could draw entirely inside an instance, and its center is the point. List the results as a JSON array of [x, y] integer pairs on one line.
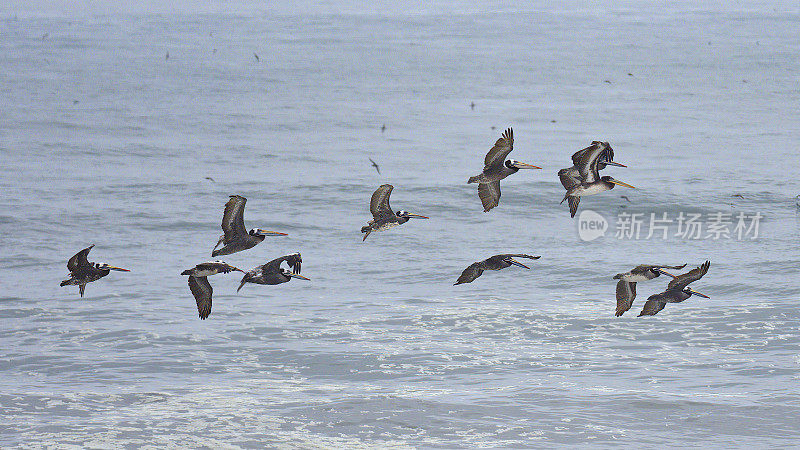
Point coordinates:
[[104, 140]]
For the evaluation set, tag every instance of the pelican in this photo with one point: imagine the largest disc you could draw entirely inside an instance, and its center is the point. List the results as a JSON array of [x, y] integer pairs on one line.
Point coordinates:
[[587, 162], [199, 285], [236, 237], [571, 176], [495, 262], [495, 169], [626, 287], [273, 273], [677, 291], [383, 217], [81, 271]]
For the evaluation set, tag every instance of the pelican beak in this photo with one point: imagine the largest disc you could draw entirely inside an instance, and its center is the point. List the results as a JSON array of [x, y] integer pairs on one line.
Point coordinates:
[[118, 268], [612, 163], [697, 293], [297, 275], [417, 216], [522, 165], [271, 233], [622, 184], [517, 263], [236, 269], [662, 271]]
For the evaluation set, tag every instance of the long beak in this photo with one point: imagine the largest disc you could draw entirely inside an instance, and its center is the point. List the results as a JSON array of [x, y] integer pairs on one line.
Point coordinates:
[[622, 184], [118, 268], [517, 263], [522, 165], [666, 273], [612, 163], [236, 269], [297, 275], [701, 295], [272, 233], [417, 216]]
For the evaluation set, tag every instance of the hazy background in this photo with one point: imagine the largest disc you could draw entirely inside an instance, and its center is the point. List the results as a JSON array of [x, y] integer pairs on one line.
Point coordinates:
[[104, 140]]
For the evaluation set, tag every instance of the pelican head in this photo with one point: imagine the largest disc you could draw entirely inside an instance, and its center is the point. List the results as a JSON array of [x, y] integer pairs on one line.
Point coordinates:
[[613, 182], [409, 215], [289, 274], [104, 266], [691, 291], [515, 263], [514, 164], [262, 232]]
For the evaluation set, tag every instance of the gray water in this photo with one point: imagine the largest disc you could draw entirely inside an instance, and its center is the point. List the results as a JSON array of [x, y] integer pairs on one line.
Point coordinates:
[[105, 141]]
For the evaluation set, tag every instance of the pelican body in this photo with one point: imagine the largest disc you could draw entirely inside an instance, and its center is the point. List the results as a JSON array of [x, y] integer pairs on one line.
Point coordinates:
[[272, 273], [626, 287], [496, 262], [383, 217], [495, 169], [201, 288], [236, 237], [588, 163], [82, 272], [677, 291]]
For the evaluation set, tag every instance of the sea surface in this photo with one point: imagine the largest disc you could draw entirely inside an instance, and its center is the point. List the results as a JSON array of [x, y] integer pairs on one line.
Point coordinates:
[[105, 140]]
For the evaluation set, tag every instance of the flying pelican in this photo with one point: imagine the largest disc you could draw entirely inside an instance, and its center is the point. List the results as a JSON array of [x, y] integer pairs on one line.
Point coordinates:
[[81, 271], [383, 217], [375, 165], [495, 262], [571, 176], [588, 162], [677, 291], [236, 237], [626, 287], [199, 285], [273, 273], [495, 169]]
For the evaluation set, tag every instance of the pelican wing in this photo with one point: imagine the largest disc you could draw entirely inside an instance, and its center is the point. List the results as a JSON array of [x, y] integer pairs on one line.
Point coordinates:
[[626, 292], [569, 178], [645, 267], [653, 305], [503, 146], [573, 203], [518, 255], [201, 289], [80, 259], [233, 218], [681, 281], [379, 204], [489, 194], [470, 273], [294, 261], [587, 163]]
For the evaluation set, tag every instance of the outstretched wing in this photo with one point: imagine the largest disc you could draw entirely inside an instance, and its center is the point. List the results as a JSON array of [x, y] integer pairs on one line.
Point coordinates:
[[489, 194], [569, 178], [501, 149], [233, 218], [470, 273], [644, 267], [681, 281], [573, 205], [80, 259], [294, 261], [653, 305], [201, 289], [379, 204], [518, 255], [587, 163], [626, 292]]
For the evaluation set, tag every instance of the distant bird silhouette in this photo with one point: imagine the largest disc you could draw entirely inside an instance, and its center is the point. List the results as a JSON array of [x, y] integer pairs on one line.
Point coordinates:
[[625, 197], [495, 169], [82, 272], [257, 58], [496, 262], [383, 128], [166, 56], [472, 105], [677, 291], [738, 195], [236, 237], [75, 102], [199, 285], [210, 179], [375, 165], [383, 217], [626, 287], [272, 273]]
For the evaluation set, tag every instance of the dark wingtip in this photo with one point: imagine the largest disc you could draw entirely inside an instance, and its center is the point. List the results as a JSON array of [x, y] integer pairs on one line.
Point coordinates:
[[186, 272]]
